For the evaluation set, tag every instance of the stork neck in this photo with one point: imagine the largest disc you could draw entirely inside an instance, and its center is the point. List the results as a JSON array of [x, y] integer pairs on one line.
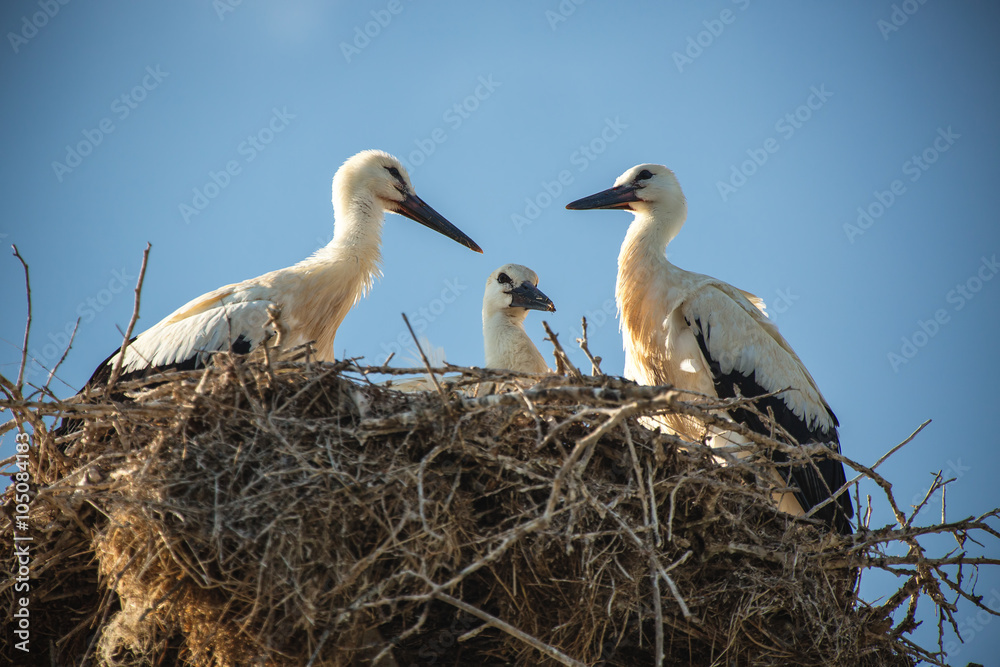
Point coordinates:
[[503, 333], [357, 225], [643, 268], [332, 280], [646, 241], [657, 228], [353, 255], [504, 318]]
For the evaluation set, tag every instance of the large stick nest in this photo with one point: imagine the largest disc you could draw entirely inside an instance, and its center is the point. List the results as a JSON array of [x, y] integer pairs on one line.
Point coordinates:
[[292, 513]]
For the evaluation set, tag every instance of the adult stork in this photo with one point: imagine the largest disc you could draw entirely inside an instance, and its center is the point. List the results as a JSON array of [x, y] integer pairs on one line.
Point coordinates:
[[302, 303], [703, 335], [511, 291]]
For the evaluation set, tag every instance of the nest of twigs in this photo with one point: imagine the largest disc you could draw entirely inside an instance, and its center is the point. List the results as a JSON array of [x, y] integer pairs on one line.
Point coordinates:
[[292, 513]]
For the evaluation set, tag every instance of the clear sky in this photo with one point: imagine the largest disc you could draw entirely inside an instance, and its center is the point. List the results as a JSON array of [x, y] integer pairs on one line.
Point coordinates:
[[837, 160]]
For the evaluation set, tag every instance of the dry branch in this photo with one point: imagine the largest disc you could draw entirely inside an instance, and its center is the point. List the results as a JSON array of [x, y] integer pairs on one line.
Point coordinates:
[[595, 362], [19, 383], [127, 337]]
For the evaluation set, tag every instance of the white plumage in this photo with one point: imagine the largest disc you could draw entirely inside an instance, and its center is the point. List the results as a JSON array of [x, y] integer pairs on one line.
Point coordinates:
[[700, 334], [511, 291], [309, 300]]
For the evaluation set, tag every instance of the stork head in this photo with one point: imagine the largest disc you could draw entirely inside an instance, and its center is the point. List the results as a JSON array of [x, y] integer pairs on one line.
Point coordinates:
[[645, 188], [376, 181], [513, 290]]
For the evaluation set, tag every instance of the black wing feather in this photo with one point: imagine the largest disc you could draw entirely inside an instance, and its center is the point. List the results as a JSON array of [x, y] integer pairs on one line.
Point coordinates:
[[242, 345], [813, 483], [102, 374]]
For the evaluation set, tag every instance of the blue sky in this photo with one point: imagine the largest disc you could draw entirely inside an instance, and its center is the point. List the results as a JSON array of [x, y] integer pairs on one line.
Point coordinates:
[[837, 160]]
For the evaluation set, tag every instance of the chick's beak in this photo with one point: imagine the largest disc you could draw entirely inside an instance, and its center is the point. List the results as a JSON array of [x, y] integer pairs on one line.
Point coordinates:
[[528, 296]]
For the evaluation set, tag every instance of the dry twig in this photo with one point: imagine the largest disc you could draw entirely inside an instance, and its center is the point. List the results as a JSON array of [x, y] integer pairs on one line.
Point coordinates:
[[595, 362], [116, 372], [19, 383], [563, 364]]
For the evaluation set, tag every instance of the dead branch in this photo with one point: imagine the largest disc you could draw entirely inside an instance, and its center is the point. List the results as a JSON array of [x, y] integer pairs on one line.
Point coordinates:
[[19, 383], [595, 362], [563, 364], [116, 372]]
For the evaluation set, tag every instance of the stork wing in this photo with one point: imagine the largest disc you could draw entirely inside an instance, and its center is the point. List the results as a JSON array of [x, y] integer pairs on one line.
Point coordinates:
[[745, 353], [228, 318], [208, 301], [755, 300]]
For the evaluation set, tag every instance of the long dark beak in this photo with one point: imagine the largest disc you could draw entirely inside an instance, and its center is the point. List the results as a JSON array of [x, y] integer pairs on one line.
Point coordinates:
[[530, 297], [415, 208], [616, 197]]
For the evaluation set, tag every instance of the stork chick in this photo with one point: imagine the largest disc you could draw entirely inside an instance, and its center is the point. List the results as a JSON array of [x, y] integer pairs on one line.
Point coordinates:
[[312, 297], [511, 291], [703, 335]]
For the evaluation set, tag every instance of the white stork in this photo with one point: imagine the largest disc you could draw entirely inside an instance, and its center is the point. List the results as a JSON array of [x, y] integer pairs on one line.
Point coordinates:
[[308, 300], [511, 291], [700, 334]]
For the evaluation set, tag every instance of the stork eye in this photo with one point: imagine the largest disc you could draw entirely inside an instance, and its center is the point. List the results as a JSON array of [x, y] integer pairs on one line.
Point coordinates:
[[395, 174], [504, 278], [645, 174]]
